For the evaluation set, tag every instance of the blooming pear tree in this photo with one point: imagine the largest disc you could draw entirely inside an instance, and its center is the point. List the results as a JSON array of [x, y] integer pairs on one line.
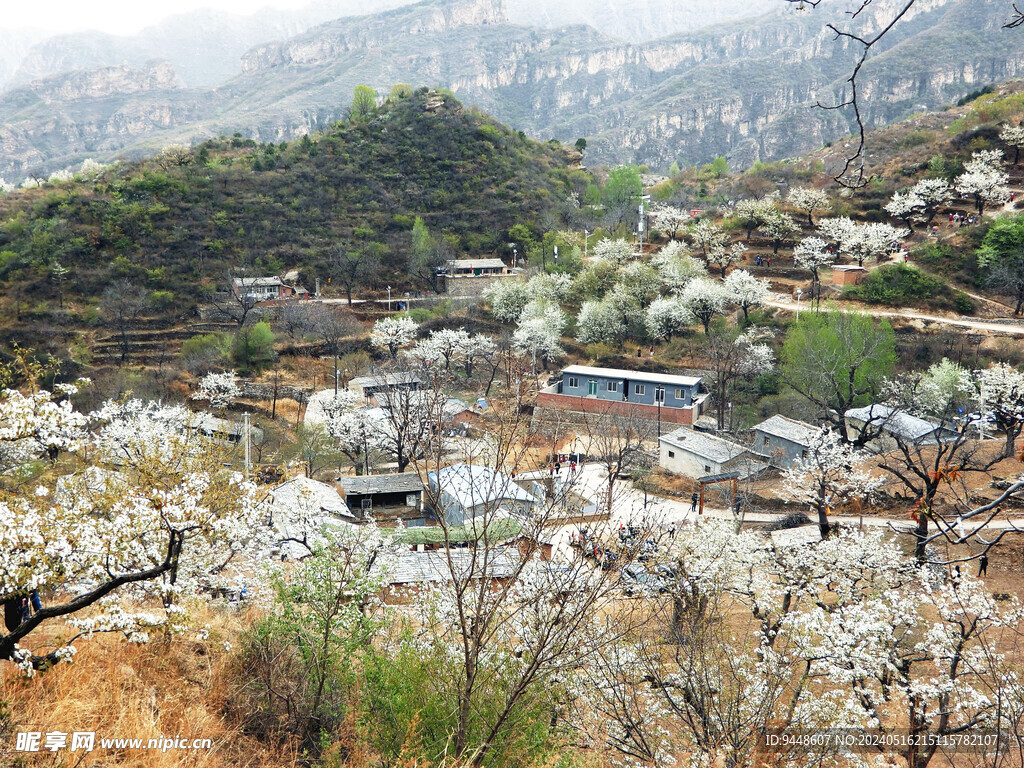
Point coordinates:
[[507, 299], [540, 331], [865, 241], [831, 473], [705, 299], [218, 389], [905, 206], [667, 317], [707, 238], [669, 219], [677, 267], [727, 257], [813, 254], [448, 346], [984, 180], [392, 333], [167, 521], [352, 428], [1000, 391], [808, 200], [1013, 136], [753, 213], [746, 291], [779, 227], [616, 251], [600, 321]]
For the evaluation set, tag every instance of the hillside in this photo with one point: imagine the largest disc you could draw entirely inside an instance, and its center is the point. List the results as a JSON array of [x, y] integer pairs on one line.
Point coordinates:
[[177, 223], [744, 89]]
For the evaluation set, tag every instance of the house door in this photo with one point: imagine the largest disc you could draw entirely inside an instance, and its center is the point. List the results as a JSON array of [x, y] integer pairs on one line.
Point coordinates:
[[591, 387], [659, 395]]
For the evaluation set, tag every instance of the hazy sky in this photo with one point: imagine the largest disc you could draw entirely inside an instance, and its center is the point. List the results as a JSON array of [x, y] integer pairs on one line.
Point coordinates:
[[117, 16]]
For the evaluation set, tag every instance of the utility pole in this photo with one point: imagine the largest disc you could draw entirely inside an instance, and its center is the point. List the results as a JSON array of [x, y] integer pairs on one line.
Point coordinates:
[[336, 369], [248, 446]]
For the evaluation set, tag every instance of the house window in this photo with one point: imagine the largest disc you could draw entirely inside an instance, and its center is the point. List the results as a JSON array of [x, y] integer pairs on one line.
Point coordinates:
[[613, 386], [640, 389], [680, 394], [803, 454], [767, 442], [659, 395], [574, 382], [671, 454], [592, 387], [707, 469]]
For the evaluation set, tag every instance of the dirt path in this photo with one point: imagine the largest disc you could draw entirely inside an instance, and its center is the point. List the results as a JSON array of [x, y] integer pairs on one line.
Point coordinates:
[[993, 327]]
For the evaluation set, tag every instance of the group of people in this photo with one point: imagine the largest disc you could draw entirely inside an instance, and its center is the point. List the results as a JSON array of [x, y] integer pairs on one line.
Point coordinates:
[[961, 219], [766, 262]]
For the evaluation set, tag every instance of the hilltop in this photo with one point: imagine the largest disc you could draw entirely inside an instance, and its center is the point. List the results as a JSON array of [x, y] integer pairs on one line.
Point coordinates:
[[176, 224]]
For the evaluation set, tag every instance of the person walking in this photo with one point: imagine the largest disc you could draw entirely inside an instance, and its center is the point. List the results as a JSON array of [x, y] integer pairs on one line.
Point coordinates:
[[693, 502], [983, 565]]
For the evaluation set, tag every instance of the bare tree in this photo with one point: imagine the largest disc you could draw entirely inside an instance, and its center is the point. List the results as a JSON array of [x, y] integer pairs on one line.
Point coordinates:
[[123, 304], [514, 624]]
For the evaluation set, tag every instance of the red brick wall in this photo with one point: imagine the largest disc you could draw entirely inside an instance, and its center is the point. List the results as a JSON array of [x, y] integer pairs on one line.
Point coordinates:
[[595, 405]]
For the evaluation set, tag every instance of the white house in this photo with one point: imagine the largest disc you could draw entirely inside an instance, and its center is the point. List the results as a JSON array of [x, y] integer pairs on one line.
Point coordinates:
[[695, 454]]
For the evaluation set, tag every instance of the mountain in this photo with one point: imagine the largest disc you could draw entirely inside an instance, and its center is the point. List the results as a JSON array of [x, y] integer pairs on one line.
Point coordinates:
[[206, 46], [203, 46], [745, 90], [176, 223]]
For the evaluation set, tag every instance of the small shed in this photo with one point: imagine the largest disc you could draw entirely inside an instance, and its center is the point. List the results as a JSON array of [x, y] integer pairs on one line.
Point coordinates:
[[695, 454], [782, 440], [373, 385], [848, 274], [384, 496]]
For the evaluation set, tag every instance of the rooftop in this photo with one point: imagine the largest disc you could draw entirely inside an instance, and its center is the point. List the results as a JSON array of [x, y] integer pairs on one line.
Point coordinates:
[[501, 529], [471, 485], [362, 485], [312, 494], [477, 264], [799, 432], [622, 373], [894, 422], [255, 282], [433, 566], [385, 379], [705, 446]]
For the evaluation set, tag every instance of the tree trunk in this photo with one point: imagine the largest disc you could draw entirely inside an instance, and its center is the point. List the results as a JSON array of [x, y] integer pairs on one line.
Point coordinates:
[[823, 524], [920, 535]]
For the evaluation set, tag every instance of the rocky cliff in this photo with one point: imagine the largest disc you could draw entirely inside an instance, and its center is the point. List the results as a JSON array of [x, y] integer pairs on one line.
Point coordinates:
[[744, 90]]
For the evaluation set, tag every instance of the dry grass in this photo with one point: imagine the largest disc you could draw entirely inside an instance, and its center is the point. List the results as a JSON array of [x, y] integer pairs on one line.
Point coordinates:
[[165, 688]]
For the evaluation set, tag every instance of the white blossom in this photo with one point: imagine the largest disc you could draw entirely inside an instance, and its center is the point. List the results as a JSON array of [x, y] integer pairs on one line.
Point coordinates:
[[393, 333]]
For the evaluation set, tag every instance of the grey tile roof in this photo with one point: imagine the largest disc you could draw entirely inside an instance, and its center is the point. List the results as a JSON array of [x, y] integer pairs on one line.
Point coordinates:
[[311, 494], [406, 482], [798, 432], [432, 566], [705, 446], [471, 485], [385, 379], [476, 264], [894, 422]]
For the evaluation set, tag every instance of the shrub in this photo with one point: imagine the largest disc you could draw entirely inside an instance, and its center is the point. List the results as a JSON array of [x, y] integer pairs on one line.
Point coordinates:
[[901, 285]]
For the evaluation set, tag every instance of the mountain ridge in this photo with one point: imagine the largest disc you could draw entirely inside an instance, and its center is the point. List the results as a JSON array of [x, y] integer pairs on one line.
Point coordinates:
[[745, 91]]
